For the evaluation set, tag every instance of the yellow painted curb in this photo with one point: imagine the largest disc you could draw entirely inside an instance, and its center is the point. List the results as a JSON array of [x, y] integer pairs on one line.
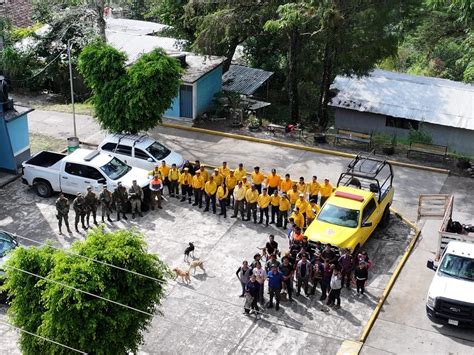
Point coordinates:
[[350, 347], [394, 277], [294, 146]]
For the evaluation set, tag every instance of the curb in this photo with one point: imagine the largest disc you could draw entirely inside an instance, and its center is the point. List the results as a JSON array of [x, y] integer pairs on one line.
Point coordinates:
[[295, 146], [9, 180], [391, 282]]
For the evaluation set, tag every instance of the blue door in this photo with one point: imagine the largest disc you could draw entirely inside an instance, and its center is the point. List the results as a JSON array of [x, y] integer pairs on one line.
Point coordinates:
[[186, 101]]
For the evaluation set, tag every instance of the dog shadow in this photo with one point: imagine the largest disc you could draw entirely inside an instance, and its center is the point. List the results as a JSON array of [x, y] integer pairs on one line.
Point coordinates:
[[201, 277]]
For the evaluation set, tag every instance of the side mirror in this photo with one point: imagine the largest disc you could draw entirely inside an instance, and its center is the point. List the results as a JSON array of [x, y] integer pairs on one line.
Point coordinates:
[[367, 224], [101, 181], [430, 265]]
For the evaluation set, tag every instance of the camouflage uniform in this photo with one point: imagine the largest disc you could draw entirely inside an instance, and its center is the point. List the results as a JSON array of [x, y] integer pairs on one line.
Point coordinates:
[[62, 207], [91, 205], [135, 194], [105, 198], [80, 208], [120, 198]]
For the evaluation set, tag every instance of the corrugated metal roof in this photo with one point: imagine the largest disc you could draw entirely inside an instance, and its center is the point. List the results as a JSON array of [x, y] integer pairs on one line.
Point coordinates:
[[244, 80], [437, 101]]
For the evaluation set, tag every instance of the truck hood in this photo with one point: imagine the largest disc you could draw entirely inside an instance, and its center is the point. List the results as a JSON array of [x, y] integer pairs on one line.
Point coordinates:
[[452, 288], [329, 233], [138, 174]]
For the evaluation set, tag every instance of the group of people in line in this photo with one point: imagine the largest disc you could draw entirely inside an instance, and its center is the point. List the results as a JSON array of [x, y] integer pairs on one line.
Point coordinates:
[[308, 265]]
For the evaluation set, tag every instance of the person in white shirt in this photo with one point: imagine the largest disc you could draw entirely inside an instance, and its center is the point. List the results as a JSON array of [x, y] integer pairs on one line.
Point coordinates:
[[239, 200], [261, 275]]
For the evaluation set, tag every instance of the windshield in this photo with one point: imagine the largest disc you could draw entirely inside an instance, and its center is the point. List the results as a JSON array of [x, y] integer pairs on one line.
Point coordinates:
[[115, 169], [158, 151], [6, 244], [339, 216], [457, 266]]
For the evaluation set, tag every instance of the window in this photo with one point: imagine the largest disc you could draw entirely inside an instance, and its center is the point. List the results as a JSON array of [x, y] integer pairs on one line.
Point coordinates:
[[115, 169], [109, 147], [124, 150], [74, 169], [140, 154], [158, 151], [92, 173], [84, 171], [368, 210], [401, 123], [339, 216]]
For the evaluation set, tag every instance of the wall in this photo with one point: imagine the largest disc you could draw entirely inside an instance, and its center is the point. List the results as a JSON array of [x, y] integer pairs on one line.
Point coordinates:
[[173, 111], [20, 139], [206, 87], [18, 11], [457, 140], [6, 155]]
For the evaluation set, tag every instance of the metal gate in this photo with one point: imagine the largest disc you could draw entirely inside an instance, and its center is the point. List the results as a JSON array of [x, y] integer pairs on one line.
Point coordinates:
[[186, 101]]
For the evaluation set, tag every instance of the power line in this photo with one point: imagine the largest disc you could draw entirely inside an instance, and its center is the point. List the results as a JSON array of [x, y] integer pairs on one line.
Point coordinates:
[[41, 71], [42, 337]]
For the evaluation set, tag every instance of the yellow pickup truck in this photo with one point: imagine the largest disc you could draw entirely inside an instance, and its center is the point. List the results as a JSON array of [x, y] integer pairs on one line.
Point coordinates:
[[360, 203]]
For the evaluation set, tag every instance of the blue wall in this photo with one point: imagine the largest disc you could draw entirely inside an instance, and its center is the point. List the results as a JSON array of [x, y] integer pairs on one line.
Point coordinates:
[[6, 155], [18, 131], [173, 111], [207, 86]]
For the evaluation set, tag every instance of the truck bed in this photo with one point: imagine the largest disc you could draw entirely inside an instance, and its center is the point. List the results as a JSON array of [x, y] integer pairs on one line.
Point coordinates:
[[45, 159]]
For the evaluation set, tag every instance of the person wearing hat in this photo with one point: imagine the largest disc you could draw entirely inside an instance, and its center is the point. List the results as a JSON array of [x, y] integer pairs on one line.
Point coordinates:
[[313, 189], [120, 199], [221, 194], [275, 284], [204, 173], [198, 188], [283, 209], [257, 179], [173, 177], [240, 172], [105, 199], [91, 205], [325, 191], [312, 211], [231, 183], [302, 204], [80, 209], [251, 197], [135, 194], [275, 203], [156, 190], [286, 184], [62, 209], [239, 200], [210, 188], [218, 178], [303, 274], [185, 181], [298, 217], [273, 182], [263, 202]]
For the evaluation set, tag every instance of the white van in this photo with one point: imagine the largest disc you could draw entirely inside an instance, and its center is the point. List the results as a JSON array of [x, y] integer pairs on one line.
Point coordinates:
[[140, 151]]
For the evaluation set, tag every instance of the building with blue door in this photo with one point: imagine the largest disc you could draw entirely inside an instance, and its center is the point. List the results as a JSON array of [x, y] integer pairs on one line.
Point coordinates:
[[202, 78]]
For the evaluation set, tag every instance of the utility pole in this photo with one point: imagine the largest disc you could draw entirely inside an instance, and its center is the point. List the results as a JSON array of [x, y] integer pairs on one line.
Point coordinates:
[[72, 86]]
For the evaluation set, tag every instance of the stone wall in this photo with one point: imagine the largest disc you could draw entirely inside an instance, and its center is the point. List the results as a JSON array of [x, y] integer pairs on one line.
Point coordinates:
[[18, 11]]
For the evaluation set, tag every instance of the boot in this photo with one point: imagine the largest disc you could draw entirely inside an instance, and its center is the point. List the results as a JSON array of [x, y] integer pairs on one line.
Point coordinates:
[[84, 227], [118, 216], [124, 217], [108, 219], [140, 214], [69, 230], [133, 215], [77, 229], [103, 221], [95, 222], [60, 231]]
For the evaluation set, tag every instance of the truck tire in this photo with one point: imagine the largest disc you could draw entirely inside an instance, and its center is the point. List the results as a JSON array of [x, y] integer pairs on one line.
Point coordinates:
[[43, 188], [385, 218]]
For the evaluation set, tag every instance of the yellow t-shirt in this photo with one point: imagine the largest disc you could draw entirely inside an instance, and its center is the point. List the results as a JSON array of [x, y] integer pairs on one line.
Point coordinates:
[[326, 190], [239, 174], [273, 181], [275, 200], [251, 196], [221, 193], [293, 196], [230, 181], [210, 187], [301, 188], [302, 205], [263, 200], [164, 170], [284, 205], [257, 178], [198, 182], [224, 171], [185, 179], [218, 179], [286, 185], [314, 188], [298, 218], [174, 175], [204, 174]]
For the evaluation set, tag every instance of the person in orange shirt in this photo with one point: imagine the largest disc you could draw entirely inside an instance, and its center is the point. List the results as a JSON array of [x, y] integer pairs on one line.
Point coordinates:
[[257, 179], [222, 193], [293, 195], [275, 203], [314, 188], [273, 182], [224, 170], [240, 172], [326, 191], [231, 182], [297, 235], [263, 202], [286, 184]]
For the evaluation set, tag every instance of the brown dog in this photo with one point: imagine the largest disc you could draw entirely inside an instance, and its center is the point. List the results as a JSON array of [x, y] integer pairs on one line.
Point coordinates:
[[196, 264], [183, 274]]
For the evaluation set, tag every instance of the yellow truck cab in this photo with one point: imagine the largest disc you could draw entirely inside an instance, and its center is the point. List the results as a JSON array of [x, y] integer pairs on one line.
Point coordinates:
[[360, 203]]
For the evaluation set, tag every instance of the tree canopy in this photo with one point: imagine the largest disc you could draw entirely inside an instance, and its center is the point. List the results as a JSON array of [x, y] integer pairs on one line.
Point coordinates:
[[129, 99], [49, 309]]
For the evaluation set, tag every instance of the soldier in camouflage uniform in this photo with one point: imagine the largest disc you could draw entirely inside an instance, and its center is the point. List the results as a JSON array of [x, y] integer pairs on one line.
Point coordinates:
[[120, 198], [91, 205], [135, 194], [105, 198], [62, 207], [80, 208]]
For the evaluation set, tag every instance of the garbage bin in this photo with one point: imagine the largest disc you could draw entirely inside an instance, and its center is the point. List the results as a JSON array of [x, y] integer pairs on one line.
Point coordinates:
[[72, 144]]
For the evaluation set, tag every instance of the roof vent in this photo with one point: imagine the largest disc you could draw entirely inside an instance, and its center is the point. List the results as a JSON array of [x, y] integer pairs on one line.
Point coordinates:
[[181, 58]]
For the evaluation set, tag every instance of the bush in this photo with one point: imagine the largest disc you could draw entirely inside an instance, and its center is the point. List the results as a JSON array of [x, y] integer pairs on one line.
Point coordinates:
[[419, 136]]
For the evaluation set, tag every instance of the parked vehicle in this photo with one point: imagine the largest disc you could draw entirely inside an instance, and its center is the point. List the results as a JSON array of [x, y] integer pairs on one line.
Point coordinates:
[[358, 205], [140, 151], [8, 242], [49, 172], [450, 298]]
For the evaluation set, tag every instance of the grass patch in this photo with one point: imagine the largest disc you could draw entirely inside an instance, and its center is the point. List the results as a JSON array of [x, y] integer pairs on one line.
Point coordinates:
[[39, 142], [81, 108]]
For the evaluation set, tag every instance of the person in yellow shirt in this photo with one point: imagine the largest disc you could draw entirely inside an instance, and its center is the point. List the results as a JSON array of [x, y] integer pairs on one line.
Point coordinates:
[[275, 202], [198, 188], [286, 184], [246, 184], [298, 218], [273, 182], [251, 197], [156, 170], [325, 191], [231, 182], [164, 170], [301, 186], [224, 170], [314, 188], [240, 172], [186, 181], [173, 176], [293, 195], [210, 188], [239, 200], [263, 202], [222, 193], [204, 173], [283, 209], [218, 178], [312, 211], [302, 204], [257, 179]]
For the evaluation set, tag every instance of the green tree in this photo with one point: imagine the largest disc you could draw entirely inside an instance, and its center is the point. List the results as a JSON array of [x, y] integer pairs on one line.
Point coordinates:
[[73, 318], [134, 98]]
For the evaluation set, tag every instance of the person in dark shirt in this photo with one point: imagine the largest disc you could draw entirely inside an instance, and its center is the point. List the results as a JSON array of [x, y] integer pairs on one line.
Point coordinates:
[[273, 261], [346, 263], [317, 274], [190, 167], [287, 270], [328, 254], [243, 274], [272, 246], [275, 283], [325, 284], [361, 274], [308, 248], [256, 258], [303, 274], [252, 292]]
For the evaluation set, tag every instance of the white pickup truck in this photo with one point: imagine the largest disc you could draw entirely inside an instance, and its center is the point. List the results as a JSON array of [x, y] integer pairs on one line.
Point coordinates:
[[49, 172]]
